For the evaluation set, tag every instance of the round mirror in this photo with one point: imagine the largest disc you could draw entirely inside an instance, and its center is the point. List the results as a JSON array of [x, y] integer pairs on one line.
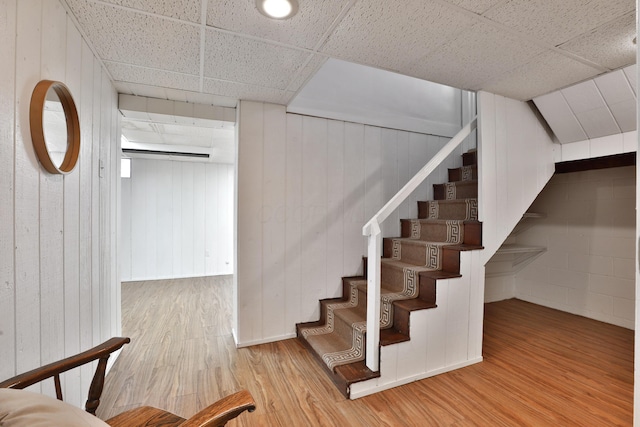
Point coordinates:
[[55, 128]]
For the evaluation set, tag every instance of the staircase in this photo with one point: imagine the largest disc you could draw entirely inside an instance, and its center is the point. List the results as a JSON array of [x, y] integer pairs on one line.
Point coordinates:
[[428, 250]]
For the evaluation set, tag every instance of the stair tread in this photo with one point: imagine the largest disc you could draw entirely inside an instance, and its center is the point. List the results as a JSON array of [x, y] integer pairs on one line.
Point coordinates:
[[475, 165], [356, 372], [401, 265], [450, 200], [389, 337], [418, 242], [415, 304], [459, 208], [462, 247], [351, 315], [383, 289], [438, 221], [440, 274], [468, 182]]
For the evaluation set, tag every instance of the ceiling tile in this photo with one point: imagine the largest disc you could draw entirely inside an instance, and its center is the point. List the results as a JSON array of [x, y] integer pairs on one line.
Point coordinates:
[[125, 36], [545, 73], [234, 58], [632, 76], [556, 111], [477, 6], [614, 87], [482, 48], [243, 91], [306, 29], [584, 96], [286, 97], [609, 45], [123, 87], [393, 34], [186, 10], [587, 103], [148, 76], [155, 45], [558, 21], [306, 72], [625, 114], [620, 98], [598, 122]]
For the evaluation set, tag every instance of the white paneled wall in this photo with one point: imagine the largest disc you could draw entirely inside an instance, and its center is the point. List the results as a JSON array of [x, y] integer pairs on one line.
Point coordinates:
[[444, 338], [516, 160], [177, 220], [588, 231], [59, 288], [598, 147], [306, 186]]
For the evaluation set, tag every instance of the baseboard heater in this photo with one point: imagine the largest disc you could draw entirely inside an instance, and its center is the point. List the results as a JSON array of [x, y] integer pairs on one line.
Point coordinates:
[[164, 153]]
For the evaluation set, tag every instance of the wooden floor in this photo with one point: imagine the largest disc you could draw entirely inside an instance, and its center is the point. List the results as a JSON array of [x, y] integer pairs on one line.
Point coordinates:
[[541, 368]]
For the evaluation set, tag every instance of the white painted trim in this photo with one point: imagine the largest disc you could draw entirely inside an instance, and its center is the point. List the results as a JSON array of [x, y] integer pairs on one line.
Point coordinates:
[[408, 124], [358, 394], [191, 276], [598, 147], [262, 341]]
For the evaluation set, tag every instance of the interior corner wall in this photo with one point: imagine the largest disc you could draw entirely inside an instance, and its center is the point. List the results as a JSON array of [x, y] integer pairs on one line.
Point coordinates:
[[177, 220], [305, 188], [588, 229], [59, 290]]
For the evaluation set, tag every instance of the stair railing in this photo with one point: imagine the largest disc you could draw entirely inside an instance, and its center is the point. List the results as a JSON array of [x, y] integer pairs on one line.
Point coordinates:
[[374, 245]]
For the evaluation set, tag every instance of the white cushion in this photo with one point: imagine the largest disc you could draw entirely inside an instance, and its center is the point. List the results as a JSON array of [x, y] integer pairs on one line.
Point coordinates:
[[24, 408]]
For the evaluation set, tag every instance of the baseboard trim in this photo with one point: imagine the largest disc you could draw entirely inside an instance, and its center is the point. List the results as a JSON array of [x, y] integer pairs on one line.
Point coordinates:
[[403, 381], [262, 341]]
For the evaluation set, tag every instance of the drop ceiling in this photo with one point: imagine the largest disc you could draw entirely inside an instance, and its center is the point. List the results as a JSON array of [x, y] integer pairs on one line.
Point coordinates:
[[219, 51], [173, 130]]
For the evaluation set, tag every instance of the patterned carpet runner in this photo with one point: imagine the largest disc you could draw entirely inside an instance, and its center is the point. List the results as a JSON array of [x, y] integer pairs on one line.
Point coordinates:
[[340, 340]]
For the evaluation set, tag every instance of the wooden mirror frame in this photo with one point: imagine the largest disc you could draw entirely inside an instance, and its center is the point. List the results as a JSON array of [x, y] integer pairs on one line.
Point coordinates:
[[36, 113]]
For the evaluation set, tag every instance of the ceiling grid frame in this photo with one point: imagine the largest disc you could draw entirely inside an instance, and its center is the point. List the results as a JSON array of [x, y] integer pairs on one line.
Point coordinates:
[[320, 20]]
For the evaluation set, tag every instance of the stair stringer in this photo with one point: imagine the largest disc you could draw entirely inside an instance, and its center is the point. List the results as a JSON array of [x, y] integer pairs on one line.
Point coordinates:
[[443, 339]]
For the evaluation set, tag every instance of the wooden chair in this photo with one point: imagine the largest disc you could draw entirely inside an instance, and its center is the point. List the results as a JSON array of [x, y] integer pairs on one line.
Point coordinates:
[[214, 415]]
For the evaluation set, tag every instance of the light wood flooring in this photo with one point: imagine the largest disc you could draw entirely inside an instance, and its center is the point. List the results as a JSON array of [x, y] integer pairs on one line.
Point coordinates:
[[541, 367]]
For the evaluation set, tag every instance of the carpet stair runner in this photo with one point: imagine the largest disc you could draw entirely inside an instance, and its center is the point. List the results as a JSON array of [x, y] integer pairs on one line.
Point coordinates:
[[427, 250]]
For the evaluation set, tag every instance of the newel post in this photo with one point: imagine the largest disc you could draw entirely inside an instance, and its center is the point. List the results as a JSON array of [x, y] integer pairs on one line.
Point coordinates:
[[374, 254]]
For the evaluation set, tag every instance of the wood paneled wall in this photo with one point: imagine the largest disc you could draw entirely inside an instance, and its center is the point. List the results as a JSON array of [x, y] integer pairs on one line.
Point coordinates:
[[177, 220], [626, 142], [305, 187], [59, 287], [516, 160]]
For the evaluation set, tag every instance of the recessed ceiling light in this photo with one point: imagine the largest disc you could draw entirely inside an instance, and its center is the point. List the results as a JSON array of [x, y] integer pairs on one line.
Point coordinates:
[[277, 9]]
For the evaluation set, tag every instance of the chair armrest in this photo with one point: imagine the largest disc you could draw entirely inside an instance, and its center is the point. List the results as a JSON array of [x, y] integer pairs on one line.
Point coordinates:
[[218, 413], [100, 352], [42, 373]]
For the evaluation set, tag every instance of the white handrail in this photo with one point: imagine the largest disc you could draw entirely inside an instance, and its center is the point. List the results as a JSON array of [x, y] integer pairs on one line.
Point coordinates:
[[372, 230]]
